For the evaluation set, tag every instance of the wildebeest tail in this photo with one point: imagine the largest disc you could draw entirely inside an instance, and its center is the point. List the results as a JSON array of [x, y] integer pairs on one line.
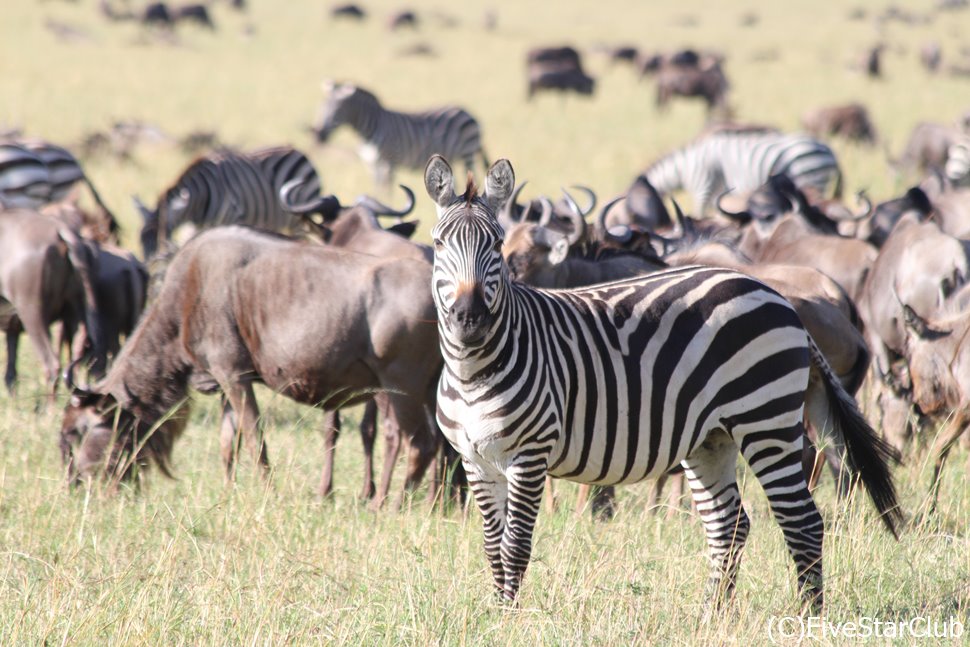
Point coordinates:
[[867, 455], [113, 226]]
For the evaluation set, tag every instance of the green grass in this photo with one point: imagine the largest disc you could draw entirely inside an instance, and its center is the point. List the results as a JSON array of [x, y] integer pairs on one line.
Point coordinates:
[[191, 561]]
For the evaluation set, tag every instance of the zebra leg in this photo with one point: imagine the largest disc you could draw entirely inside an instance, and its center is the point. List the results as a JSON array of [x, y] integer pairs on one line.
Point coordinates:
[[776, 460], [525, 485], [711, 472], [331, 431], [490, 489]]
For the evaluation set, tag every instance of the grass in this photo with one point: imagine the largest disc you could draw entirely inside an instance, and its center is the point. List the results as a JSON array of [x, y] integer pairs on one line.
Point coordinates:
[[191, 561]]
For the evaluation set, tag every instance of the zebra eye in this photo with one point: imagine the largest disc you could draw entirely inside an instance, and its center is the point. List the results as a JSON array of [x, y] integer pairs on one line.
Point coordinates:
[[497, 247], [438, 245]]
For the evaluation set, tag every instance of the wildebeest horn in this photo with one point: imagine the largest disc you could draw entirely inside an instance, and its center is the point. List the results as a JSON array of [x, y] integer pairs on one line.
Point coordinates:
[[546, 214], [577, 218], [508, 209], [319, 204], [740, 216], [381, 209], [864, 199], [686, 224], [601, 220], [589, 194], [69, 381]]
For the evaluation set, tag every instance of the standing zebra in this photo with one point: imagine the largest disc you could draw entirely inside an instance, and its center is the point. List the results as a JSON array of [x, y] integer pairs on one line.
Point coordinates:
[[398, 138], [742, 160], [621, 381], [34, 173], [226, 188]]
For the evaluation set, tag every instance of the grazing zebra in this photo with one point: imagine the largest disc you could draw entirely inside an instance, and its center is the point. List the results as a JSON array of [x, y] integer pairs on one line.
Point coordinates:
[[621, 381], [34, 173], [398, 138], [226, 188], [742, 161]]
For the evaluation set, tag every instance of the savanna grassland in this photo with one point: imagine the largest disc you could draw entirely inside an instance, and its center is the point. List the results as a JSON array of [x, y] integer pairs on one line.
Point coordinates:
[[192, 561]]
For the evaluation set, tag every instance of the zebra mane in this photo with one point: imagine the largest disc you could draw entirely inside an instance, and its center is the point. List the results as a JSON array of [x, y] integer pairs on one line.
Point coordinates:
[[471, 191]]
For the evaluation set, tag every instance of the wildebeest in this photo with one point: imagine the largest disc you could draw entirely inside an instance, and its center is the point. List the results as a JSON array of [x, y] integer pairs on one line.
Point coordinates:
[[352, 11], [46, 275], [688, 73], [557, 68], [321, 326], [938, 357], [927, 147], [356, 228], [850, 121], [930, 56], [404, 18]]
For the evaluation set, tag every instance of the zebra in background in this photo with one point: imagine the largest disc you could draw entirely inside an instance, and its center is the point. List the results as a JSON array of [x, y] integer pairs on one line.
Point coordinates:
[[742, 160], [621, 381], [227, 188], [396, 138], [35, 173]]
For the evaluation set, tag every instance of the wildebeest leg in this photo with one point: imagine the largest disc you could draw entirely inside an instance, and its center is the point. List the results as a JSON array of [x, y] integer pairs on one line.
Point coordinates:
[[368, 434], [33, 323], [229, 440], [392, 446], [243, 402], [13, 341], [331, 431], [941, 449], [676, 496], [411, 419], [656, 491]]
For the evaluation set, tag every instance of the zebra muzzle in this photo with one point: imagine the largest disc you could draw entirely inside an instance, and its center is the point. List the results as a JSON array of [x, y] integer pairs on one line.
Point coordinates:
[[469, 317]]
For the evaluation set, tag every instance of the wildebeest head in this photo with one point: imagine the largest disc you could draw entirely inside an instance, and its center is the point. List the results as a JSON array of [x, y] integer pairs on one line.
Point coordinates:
[[100, 437], [533, 249]]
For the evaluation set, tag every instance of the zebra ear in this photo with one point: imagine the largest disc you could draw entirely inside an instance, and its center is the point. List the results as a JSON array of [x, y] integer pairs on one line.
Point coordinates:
[[499, 184], [439, 182], [328, 85]]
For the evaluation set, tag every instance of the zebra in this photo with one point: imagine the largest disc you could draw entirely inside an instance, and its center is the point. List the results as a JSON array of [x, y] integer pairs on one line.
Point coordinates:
[[226, 188], [621, 381], [34, 173], [744, 159], [958, 161], [396, 138]]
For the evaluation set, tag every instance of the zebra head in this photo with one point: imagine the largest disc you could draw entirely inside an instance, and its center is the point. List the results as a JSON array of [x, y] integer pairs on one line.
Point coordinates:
[[469, 277], [345, 104]]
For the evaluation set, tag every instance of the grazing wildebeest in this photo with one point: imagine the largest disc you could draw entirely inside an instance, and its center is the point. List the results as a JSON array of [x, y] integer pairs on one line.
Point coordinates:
[[46, 275], [194, 13], [322, 326], [850, 121], [688, 73], [557, 68], [619, 382]]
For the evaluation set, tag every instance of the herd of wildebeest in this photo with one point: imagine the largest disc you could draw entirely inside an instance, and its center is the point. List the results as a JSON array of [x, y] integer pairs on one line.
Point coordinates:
[[330, 304]]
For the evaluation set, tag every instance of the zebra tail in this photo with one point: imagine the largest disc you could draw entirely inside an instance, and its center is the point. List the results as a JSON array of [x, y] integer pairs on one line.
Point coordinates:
[[867, 455], [113, 225]]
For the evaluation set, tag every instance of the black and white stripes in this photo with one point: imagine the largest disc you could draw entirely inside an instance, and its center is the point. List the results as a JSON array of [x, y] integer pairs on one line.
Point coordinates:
[[397, 138], [743, 160], [619, 382], [227, 188]]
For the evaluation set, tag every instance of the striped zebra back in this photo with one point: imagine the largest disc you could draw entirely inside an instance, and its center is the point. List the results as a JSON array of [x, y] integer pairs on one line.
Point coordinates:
[[227, 188], [743, 160], [24, 178]]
